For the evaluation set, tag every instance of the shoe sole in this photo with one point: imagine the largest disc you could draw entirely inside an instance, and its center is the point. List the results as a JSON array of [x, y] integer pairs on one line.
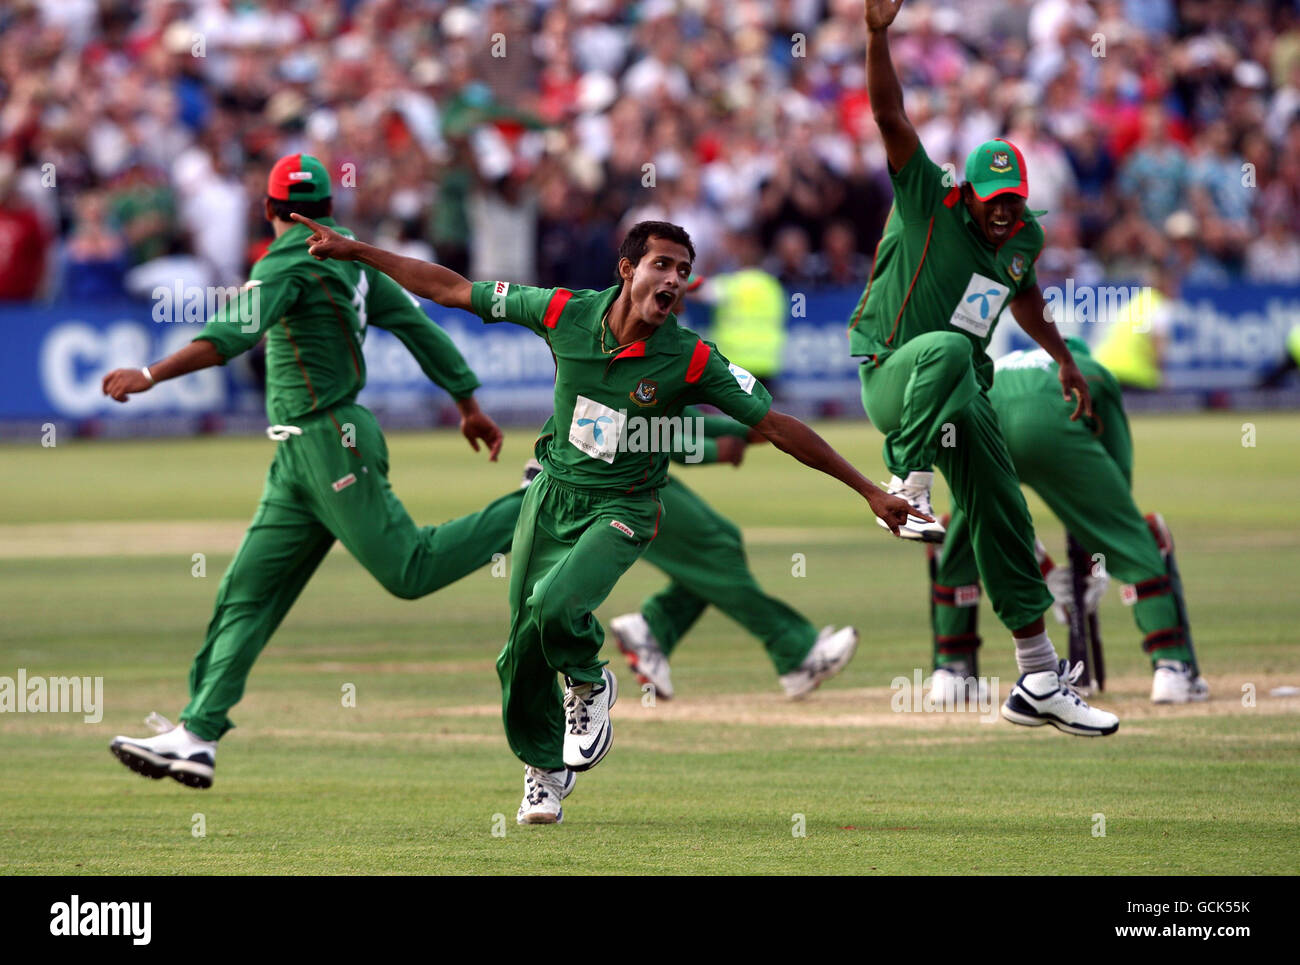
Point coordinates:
[[143, 762], [541, 818], [1024, 720], [191, 774], [607, 739], [635, 666]]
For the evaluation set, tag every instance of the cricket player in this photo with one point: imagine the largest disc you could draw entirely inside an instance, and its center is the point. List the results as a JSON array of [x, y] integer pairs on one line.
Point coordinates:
[[704, 555], [950, 259], [329, 478], [622, 364], [1084, 473]]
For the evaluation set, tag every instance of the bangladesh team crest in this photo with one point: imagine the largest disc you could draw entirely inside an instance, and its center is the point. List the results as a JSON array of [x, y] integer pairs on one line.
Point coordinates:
[[1017, 267], [1000, 163], [645, 393]]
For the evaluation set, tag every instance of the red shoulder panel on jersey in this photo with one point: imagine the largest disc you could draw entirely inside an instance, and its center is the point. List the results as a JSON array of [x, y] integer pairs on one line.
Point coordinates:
[[699, 359], [555, 306], [951, 198]]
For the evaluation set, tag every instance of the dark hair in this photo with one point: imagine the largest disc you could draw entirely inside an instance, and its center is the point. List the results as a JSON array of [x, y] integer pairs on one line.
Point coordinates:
[[308, 209], [637, 240]]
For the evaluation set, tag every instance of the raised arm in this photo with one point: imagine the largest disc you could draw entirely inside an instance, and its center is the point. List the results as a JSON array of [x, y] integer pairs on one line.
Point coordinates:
[[1032, 314], [793, 437], [883, 88], [434, 282]]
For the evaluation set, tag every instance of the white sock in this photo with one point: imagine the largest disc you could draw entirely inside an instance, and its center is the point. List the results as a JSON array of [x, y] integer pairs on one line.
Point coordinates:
[[1035, 654]]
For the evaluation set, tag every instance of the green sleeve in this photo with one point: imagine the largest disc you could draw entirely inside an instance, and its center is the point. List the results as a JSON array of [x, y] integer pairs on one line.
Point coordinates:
[[1112, 422], [732, 389], [918, 186], [501, 301], [240, 323], [391, 307]]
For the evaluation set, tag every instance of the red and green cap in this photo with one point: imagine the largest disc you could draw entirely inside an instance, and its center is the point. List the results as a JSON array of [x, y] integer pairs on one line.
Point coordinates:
[[298, 177], [997, 166]]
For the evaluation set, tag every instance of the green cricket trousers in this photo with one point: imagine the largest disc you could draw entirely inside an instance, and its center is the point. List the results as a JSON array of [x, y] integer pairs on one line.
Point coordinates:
[[933, 412], [570, 548], [1085, 489], [704, 555], [318, 490]]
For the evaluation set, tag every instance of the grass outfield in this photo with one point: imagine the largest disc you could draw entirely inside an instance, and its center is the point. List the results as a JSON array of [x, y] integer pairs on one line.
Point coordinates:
[[96, 547]]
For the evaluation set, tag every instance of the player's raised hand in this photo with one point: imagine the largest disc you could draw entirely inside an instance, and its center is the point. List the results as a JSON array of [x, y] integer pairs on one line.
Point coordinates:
[[1075, 386], [893, 510], [475, 426], [881, 13], [123, 382], [326, 242]]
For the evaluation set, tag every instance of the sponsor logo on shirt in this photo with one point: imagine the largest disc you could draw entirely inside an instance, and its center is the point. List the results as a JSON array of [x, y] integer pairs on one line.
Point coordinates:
[[644, 393], [341, 484], [979, 305], [596, 429], [743, 378], [500, 289], [622, 528]]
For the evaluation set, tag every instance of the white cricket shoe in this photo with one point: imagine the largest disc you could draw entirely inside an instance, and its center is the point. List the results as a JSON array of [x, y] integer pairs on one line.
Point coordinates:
[[1173, 683], [952, 685], [633, 636], [176, 753], [588, 732], [1047, 697], [916, 490], [828, 656], [543, 792]]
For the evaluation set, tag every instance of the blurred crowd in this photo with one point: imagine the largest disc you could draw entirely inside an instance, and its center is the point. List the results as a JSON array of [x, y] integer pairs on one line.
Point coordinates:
[[515, 140]]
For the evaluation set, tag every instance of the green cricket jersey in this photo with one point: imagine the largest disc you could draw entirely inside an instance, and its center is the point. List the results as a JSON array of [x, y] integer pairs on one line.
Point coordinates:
[[935, 272], [314, 316], [613, 408], [1027, 384]]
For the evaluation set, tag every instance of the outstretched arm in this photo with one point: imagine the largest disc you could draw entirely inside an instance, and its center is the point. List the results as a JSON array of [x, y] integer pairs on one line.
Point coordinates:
[[1032, 314], [434, 282], [791, 436], [883, 88], [200, 354]]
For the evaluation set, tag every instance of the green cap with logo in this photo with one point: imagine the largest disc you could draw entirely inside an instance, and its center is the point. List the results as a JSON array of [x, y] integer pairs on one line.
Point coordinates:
[[298, 177], [997, 166]]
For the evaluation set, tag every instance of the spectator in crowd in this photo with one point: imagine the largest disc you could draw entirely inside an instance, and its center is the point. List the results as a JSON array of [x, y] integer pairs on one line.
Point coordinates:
[[839, 264], [1274, 257], [437, 115], [791, 262], [95, 257], [24, 241], [1155, 175]]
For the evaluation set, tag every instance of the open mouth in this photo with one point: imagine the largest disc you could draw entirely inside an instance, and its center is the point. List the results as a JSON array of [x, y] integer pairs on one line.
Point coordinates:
[[999, 226], [665, 300]]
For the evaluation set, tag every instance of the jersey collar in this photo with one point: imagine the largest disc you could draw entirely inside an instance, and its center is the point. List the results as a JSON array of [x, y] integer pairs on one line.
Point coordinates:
[[299, 233], [665, 340]]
